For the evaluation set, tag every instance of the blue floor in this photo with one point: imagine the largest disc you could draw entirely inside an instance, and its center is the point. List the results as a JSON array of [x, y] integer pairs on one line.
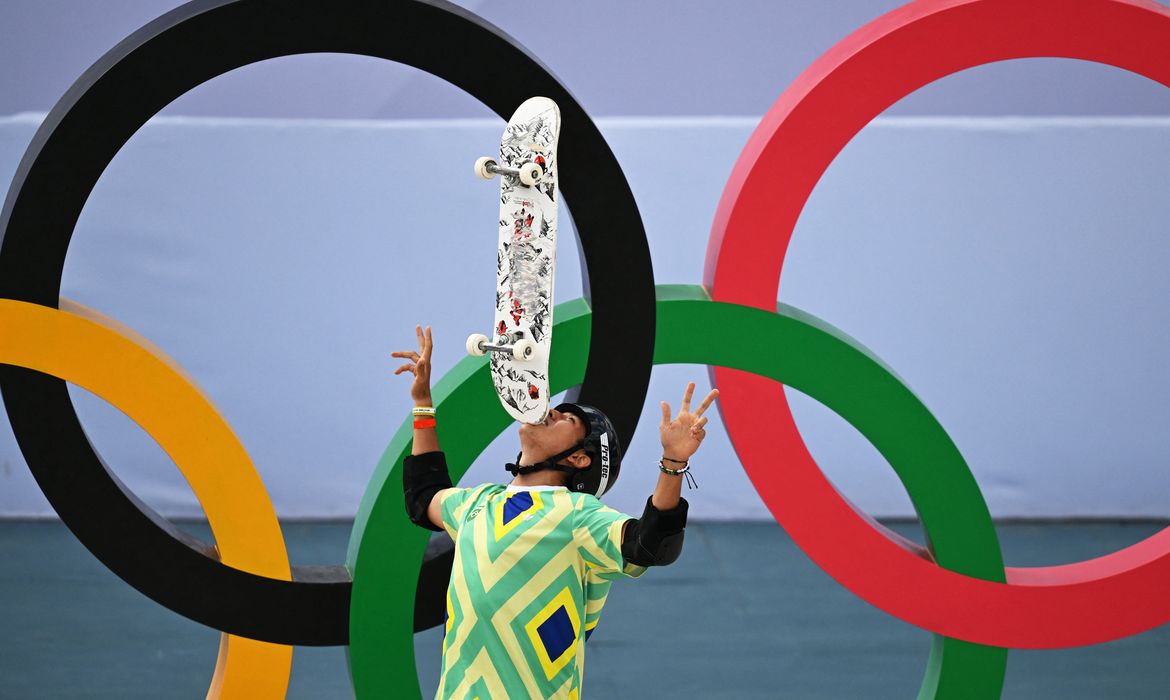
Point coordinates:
[[743, 614]]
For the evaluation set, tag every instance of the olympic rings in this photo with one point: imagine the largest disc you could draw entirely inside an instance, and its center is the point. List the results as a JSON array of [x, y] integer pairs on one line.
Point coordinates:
[[801, 134], [789, 346], [80, 346], [121, 92], [959, 588]]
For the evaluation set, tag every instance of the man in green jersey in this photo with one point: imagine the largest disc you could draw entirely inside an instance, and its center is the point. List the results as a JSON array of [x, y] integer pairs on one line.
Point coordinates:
[[534, 559]]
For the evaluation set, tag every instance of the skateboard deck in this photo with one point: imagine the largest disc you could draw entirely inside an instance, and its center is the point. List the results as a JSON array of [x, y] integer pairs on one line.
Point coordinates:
[[526, 260]]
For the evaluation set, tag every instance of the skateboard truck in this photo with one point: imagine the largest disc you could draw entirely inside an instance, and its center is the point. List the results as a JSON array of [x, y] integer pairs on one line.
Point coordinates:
[[528, 174], [478, 345]]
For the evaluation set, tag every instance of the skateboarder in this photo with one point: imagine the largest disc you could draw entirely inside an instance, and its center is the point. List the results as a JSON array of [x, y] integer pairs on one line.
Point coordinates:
[[534, 559]]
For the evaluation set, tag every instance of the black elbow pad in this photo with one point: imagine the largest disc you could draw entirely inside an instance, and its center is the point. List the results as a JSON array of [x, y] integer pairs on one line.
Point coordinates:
[[422, 477], [656, 539]]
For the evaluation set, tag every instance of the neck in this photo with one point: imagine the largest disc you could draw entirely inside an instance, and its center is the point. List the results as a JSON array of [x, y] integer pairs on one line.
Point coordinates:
[[544, 477], [528, 456]]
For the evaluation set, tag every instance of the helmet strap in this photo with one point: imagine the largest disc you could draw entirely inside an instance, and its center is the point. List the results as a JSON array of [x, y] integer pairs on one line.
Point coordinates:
[[548, 463]]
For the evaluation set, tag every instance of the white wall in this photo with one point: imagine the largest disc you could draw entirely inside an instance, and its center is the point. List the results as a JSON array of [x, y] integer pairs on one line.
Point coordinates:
[[620, 58], [1012, 270]]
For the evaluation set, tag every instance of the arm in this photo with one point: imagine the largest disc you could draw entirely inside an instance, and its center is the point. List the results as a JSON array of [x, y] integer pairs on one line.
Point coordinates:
[[656, 538], [680, 440], [425, 439], [426, 479]]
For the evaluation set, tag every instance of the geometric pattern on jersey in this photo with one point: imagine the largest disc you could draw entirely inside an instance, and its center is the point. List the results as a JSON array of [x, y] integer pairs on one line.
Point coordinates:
[[553, 632], [532, 572], [517, 505]]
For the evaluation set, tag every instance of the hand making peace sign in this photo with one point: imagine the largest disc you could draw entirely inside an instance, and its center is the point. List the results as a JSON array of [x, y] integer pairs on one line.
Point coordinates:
[[682, 435]]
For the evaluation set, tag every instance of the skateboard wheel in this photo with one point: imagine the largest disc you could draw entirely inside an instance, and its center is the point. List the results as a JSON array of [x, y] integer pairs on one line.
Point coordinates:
[[523, 349], [475, 343], [530, 174], [481, 167]]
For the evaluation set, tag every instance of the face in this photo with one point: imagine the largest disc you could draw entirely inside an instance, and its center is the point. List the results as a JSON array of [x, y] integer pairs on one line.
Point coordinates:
[[560, 431]]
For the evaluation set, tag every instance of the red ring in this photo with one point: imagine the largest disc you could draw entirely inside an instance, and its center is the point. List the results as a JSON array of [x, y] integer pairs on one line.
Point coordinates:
[[1089, 602]]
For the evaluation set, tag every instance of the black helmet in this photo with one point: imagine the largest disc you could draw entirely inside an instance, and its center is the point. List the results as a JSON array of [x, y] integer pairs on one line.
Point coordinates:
[[601, 443], [603, 447]]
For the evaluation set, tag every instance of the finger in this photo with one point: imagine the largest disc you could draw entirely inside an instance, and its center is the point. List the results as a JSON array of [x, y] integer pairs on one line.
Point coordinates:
[[665, 414], [699, 435], [699, 424], [686, 402], [426, 355], [408, 354], [707, 400], [406, 367], [418, 334]]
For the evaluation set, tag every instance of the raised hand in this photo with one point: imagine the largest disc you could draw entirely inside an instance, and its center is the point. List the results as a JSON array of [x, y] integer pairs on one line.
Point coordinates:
[[682, 435], [419, 366]]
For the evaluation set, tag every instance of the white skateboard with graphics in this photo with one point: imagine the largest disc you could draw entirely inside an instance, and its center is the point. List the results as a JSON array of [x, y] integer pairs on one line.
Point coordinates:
[[525, 260]]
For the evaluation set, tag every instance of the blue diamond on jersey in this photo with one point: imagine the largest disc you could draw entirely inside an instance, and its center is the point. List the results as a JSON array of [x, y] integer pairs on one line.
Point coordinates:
[[516, 504], [556, 633]]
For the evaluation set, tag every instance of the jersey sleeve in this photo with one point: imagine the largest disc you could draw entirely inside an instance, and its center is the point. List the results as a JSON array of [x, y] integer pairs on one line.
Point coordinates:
[[598, 531]]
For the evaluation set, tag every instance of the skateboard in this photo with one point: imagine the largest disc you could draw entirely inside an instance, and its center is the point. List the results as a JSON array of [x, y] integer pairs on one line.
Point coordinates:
[[525, 259]]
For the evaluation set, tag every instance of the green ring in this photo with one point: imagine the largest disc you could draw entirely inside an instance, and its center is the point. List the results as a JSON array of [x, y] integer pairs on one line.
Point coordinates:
[[790, 346]]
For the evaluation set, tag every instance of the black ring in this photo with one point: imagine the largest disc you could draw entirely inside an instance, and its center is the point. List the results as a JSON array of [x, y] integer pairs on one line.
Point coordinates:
[[114, 98]]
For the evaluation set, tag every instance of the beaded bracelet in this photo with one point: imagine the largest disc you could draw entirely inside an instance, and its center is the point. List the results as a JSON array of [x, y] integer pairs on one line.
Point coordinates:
[[685, 471]]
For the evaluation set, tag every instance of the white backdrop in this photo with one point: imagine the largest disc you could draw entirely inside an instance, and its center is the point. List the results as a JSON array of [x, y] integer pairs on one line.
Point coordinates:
[[620, 58], [1012, 270]]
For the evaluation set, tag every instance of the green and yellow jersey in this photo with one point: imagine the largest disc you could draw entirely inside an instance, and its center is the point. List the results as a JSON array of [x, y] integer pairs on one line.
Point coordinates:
[[533, 567]]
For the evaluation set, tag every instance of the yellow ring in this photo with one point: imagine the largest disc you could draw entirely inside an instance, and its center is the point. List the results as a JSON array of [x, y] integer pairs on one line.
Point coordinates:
[[113, 361]]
